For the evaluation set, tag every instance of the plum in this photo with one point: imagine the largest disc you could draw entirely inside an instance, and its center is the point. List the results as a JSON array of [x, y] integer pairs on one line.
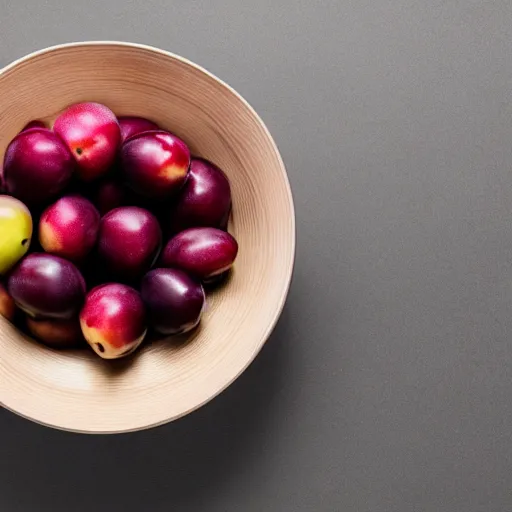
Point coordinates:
[[36, 123], [58, 334], [69, 227], [7, 305], [203, 252], [155, 163], [174, 300], [92, 134], [204, 200], [109, 195], [47, 286], [129, 241], [113, 320], [37, 166], [132, 125]]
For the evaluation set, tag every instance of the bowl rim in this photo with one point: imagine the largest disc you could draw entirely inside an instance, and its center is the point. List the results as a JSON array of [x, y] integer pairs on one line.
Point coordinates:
[[291, 264]]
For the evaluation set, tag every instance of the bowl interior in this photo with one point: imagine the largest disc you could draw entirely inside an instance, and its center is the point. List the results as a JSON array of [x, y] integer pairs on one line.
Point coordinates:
[[167, 378]]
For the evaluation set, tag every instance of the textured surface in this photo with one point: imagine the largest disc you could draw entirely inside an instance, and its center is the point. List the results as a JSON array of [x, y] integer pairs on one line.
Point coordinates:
[[387, 385], [165, 380]]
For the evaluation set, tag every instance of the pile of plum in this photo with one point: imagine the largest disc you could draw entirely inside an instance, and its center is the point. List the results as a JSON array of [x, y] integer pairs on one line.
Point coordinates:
[[128, 230]]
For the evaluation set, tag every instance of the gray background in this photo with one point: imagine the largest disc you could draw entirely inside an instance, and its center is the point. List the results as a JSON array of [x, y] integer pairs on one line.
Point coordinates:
[[387, 383]]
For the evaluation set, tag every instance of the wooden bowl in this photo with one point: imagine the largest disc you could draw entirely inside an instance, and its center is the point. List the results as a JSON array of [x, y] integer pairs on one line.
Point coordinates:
[[167, 378]]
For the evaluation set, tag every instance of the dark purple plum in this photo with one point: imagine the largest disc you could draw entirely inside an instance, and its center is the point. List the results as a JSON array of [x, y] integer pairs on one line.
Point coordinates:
[[57, 334], [155, 163], [204, 200], [108, 196], [34, 124], [47, 286], [174, 300], [203, 252], [37, 166], [132, 125], [129, 241], [225, 221]]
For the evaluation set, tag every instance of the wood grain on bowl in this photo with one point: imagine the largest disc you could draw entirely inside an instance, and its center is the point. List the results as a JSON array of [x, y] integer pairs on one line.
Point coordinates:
[[164, 380]]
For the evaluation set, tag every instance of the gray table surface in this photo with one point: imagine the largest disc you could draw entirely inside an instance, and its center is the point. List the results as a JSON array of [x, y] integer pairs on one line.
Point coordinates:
[[387, 384]]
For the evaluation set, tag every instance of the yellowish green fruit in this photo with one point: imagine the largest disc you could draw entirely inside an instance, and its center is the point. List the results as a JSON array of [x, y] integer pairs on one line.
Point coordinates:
[[15, 232]]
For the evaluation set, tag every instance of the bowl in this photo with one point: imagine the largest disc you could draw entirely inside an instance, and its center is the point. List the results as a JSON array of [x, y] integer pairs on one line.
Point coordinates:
[[167, 378]]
